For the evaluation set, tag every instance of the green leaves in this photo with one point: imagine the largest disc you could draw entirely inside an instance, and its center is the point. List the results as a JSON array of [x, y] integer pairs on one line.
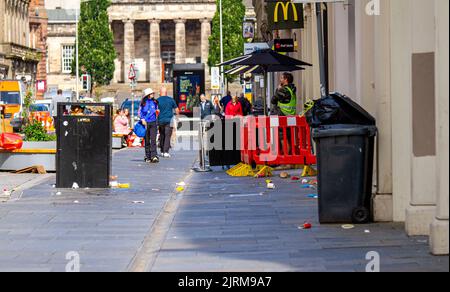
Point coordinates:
[[96, 43], [233, 41]]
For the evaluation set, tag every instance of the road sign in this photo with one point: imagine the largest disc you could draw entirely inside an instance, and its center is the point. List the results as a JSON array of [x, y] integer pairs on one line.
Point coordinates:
[[215, 78]]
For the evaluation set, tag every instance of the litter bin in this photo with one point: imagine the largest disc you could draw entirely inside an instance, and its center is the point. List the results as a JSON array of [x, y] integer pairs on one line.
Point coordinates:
[[345, 154], [84, 145]]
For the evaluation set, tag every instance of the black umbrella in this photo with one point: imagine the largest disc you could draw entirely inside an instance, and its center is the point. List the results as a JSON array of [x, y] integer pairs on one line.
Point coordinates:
[[265, 59], [260, 70]]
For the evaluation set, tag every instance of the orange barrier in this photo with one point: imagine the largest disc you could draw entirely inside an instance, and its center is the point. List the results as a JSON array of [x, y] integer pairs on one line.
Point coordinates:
[[277, 141]]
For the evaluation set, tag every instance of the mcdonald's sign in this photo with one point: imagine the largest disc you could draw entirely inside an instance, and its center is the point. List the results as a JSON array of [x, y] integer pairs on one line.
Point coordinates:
[[285, 15]]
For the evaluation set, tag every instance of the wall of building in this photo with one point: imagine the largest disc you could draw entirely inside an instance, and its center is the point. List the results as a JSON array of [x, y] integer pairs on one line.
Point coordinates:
[[394, 64]]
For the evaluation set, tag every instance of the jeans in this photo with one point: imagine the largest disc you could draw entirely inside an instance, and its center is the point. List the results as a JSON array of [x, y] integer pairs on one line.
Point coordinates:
[[150, 140], [165, 135]]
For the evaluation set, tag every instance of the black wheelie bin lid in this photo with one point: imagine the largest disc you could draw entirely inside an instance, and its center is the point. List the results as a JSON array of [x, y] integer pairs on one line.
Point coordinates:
[[344, 130], [355, 114]]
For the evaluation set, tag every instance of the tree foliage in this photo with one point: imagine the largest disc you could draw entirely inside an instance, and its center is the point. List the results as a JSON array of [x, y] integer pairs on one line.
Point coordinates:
[[233, 41], [96, 43]]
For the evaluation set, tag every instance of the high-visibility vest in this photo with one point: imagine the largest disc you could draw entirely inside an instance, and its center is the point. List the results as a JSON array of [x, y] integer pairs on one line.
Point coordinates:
[[289, 109]]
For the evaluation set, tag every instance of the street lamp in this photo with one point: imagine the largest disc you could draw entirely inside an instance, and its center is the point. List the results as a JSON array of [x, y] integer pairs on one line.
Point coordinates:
[[221, 48]]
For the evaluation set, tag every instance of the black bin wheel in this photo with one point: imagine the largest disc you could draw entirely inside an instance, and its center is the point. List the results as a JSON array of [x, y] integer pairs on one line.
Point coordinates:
[[361, 215]]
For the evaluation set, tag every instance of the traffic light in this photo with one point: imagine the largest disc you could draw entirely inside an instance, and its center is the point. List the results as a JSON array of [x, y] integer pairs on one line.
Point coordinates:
[[86, 82]]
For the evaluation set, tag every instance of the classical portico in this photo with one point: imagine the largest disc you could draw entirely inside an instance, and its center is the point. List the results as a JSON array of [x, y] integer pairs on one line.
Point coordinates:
[[155, 34]]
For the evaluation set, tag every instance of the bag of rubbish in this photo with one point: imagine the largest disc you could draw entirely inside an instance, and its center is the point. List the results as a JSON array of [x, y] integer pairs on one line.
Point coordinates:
[[338, 109], [10, 141], [324, 112]]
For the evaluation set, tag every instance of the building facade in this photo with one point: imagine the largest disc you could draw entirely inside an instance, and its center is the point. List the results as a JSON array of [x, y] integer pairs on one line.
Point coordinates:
[[38, 41], [393, 60], [156, 34], [152, 34], [18, 60], [61, 35]]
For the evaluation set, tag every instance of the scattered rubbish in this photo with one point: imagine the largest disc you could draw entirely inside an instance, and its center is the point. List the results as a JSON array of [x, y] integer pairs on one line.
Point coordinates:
[[138, 202], [348, 226], [5, 196], [422, 241], [181, 184], [216, 178], [295, 178], [180, 189], [307, 187], [304, 181], [305, 226], [268, 181], [114, 184], [312, 196], [366, 231], [284, 175], [75, 186], [124, 186], [76, 202], [113, 178], [39, 169], [58, 193], [271, 186], [53, 186], [247, 195], [156, 190]]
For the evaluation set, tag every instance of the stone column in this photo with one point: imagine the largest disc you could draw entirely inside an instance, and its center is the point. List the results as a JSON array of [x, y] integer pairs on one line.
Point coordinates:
[[128, 47], [155, 51], [180, 41], [439, 239], [206, 32]]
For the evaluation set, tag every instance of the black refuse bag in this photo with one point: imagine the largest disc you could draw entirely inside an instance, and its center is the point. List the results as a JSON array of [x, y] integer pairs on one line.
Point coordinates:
[[338, 109]]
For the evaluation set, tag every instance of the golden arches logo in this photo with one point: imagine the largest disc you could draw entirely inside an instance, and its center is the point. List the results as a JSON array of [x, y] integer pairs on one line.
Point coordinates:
[[285, 6]]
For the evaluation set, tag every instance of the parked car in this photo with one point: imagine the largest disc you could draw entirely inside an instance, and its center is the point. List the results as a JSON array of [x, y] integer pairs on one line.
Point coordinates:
[[127, 104]]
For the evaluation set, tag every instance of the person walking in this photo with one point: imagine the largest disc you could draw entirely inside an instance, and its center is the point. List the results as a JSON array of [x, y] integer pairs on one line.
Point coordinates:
[[148, 112], [284, 102], [167, 106], [234, 108]]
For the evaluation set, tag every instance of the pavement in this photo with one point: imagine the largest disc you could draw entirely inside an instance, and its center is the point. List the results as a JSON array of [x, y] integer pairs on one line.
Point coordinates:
[[217, 224]]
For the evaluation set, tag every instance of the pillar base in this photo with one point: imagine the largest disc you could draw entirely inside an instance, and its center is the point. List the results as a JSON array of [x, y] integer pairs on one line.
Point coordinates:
[[418, 220], [439, 237], [383, 208]]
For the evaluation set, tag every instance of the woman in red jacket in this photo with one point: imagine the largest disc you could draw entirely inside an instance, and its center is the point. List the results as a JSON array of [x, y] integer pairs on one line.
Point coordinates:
[[234, 108]]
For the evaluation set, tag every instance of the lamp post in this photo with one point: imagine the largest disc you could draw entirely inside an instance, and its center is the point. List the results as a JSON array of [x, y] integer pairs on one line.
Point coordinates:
[[221, 48]]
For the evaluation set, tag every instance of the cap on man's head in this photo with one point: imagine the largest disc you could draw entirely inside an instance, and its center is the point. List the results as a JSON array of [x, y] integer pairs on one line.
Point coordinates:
[[148, 92]]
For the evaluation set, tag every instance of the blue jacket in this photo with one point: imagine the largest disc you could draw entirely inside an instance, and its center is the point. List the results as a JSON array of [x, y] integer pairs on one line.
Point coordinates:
[[148, 111]]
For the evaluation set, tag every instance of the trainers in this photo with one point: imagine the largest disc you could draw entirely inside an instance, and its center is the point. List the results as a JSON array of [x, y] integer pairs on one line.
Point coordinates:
[[167, 155], [147, 160], [155, 160]]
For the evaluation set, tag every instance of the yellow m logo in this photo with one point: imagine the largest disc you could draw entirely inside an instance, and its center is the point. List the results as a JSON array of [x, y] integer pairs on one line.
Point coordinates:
[[285, 6]]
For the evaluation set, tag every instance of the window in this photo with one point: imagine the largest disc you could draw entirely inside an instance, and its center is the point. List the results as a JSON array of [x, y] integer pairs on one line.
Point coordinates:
[[68, 52]]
